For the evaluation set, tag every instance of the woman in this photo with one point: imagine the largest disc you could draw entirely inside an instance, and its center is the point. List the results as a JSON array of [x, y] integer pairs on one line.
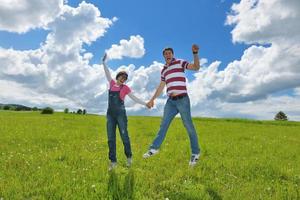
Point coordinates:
[[116, 114]]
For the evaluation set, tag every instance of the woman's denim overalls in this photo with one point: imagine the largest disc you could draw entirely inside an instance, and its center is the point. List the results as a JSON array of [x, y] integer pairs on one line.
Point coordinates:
[[116, 115]]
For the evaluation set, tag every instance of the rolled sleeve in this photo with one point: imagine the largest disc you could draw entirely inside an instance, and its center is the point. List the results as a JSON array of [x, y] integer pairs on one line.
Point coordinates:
[[185, 64]]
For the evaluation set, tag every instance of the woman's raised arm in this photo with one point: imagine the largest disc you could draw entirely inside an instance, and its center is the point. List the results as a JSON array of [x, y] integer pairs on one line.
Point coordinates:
[[106, 70]]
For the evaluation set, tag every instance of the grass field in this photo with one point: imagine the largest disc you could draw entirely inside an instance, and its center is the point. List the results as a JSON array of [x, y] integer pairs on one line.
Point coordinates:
[[64, 156]]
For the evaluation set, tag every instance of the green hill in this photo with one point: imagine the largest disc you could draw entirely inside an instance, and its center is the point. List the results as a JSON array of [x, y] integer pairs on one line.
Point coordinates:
[[16, 107], [64, 156]]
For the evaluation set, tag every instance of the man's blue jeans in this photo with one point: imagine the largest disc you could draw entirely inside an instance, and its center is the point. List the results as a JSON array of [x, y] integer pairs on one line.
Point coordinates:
[[111, 125], [172, 108]]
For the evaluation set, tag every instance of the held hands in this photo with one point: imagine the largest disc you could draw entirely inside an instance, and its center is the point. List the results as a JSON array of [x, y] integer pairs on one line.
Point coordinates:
[[195, 48], [150, 104]]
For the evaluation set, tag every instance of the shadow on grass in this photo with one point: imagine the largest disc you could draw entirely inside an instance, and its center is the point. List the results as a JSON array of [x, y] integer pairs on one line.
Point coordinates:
[[116, 191], [191, 191], [213, 194]]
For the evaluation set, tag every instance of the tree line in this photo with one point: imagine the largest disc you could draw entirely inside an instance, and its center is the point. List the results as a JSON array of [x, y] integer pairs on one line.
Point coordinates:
[[46, 110], [280, 116]]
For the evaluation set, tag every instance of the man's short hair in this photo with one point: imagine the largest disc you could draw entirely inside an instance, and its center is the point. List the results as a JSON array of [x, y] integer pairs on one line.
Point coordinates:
[[167, 49]]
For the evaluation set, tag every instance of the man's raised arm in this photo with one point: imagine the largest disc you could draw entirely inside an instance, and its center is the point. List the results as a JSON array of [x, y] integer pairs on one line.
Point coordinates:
[[196, 65]]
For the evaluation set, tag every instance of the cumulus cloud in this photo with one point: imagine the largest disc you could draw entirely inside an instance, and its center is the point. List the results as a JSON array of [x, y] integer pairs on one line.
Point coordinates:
[[75, 26], [260, 109], [262, 70], [22, 15], [60, 69], [61, 66], [59, 73], [19, 93], [265, 21], [297, 91], [246, 87], [134, 48]]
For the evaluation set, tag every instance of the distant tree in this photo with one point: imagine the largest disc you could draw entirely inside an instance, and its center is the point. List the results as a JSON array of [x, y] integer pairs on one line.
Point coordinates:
[[6, 107], [35, 109], [66, 110], [84, 111], [281, 116], [20, 108], [79, 111], [17, 108], [47, 110]]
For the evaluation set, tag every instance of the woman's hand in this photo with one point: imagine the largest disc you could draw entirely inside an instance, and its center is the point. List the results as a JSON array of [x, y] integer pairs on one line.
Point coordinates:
[[104, 58], [150, 104]]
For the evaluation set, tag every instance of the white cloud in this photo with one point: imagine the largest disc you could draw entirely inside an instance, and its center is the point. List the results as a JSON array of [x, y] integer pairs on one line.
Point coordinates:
[[74, 26], [59, 72], [265, 21], [264, 109], [17, 93], [133, 48], [60, 67], [262, 70], [22, 15], [297, 91], [245, 87]]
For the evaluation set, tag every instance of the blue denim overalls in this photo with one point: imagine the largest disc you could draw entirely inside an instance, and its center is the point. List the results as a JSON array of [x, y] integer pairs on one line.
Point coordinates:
[[116, 115]]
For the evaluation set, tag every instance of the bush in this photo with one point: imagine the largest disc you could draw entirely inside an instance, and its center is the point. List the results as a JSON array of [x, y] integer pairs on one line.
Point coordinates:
[[281, 116], [17, 108], [47, 110], [6, 107], [35, 109]]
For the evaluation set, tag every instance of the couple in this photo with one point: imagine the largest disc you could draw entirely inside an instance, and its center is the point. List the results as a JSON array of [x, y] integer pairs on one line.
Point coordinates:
[[172, 76]]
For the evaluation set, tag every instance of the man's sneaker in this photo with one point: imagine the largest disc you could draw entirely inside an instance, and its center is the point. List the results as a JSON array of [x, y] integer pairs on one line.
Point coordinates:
[[194, 159], [129, 162], [112, 165], [150, 153]]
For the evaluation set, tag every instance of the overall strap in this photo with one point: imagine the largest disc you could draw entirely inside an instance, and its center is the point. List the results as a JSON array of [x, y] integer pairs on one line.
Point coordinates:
[[121, 87]]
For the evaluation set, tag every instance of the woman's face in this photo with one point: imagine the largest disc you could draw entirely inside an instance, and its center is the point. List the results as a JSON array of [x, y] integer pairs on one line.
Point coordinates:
[[122, 79]]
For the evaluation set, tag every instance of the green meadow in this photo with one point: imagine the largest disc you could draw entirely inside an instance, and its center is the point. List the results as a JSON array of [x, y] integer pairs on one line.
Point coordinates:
[[64, 156]]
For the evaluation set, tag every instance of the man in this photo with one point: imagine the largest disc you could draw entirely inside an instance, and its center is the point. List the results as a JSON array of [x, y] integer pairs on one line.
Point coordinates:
[[172, 76]]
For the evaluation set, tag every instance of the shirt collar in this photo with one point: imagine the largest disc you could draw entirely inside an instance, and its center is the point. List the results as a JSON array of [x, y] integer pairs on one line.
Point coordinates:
[[173, 59]]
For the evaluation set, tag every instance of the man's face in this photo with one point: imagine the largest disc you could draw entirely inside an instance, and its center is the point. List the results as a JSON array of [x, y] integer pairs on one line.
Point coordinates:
[[168, 55]]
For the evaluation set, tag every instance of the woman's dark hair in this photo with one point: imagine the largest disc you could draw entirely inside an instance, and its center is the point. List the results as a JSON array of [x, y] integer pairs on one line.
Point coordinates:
[[122, 73], [168, 49]]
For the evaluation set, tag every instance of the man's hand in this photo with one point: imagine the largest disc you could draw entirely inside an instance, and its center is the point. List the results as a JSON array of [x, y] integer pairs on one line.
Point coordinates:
[[195, 48], [150, 104], [104, 57]]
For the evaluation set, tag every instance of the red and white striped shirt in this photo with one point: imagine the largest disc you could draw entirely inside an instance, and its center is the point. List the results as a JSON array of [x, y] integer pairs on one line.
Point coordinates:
[[173, 75]]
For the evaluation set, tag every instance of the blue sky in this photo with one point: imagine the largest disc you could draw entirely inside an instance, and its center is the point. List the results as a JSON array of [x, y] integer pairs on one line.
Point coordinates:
[[165, 23], [50, 53], [160, 23]]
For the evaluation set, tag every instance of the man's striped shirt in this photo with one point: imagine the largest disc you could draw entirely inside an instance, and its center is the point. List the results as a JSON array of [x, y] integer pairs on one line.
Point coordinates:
[[174, 77]]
